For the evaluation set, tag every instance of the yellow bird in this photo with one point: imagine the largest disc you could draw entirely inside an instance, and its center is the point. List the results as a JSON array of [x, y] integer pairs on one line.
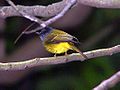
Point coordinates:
[[58, 42]]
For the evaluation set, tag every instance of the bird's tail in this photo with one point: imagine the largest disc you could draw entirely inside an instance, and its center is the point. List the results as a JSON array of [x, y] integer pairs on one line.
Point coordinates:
[[81, 53]]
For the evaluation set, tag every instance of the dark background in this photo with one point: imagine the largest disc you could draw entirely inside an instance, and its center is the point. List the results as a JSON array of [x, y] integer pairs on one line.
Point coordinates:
[[95, 28]]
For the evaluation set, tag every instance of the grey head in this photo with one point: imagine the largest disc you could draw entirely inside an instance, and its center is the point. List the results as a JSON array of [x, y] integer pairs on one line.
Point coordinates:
[[44, 32]]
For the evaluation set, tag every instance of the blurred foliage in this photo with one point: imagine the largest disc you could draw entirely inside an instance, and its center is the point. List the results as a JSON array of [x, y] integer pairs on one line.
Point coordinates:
[[74, 75]]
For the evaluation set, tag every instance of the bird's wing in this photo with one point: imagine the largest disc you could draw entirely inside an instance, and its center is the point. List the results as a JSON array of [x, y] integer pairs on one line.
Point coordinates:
[[62, 38]]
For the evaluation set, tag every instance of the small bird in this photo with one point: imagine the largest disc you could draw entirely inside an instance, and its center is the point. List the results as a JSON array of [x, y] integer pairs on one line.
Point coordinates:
[[58, 42]]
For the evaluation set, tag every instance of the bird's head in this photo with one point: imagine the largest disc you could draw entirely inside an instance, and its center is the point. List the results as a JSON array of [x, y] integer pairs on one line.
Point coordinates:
[[45, 32]]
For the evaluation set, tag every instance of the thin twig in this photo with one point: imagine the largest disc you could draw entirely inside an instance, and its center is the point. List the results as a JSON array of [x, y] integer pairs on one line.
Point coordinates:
[[50, 21], [26, 15], [23, 32], [109, 83], [70, 3], [58, 60]]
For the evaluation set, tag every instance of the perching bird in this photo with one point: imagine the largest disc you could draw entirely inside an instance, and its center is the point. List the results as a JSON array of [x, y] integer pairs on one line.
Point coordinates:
[[58, 42]]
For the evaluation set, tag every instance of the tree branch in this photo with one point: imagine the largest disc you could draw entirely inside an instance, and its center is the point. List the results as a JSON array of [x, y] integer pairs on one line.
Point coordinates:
[[42, 24], [38, 10], [101, 3], [111, 82], [58, 60], [37, 20], [55, 8]]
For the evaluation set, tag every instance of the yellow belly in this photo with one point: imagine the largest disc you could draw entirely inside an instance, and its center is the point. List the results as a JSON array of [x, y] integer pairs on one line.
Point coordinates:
[[58, 48]]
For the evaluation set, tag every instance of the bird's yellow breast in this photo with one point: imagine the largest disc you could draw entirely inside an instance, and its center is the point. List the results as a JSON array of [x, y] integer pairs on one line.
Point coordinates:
[[58, 48]]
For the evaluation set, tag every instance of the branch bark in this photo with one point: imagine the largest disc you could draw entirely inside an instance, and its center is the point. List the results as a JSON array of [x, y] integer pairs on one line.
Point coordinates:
[[110, 82], [55, 8], [38, 10], [101, 3], [37, 20], [42, 24], [58, 60]]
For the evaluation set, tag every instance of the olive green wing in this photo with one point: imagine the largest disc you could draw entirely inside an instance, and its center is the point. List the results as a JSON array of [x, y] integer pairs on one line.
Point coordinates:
[[61, 38]]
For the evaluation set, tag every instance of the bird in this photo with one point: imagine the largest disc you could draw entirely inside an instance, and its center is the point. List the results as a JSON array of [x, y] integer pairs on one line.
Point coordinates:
[[57, 41]]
